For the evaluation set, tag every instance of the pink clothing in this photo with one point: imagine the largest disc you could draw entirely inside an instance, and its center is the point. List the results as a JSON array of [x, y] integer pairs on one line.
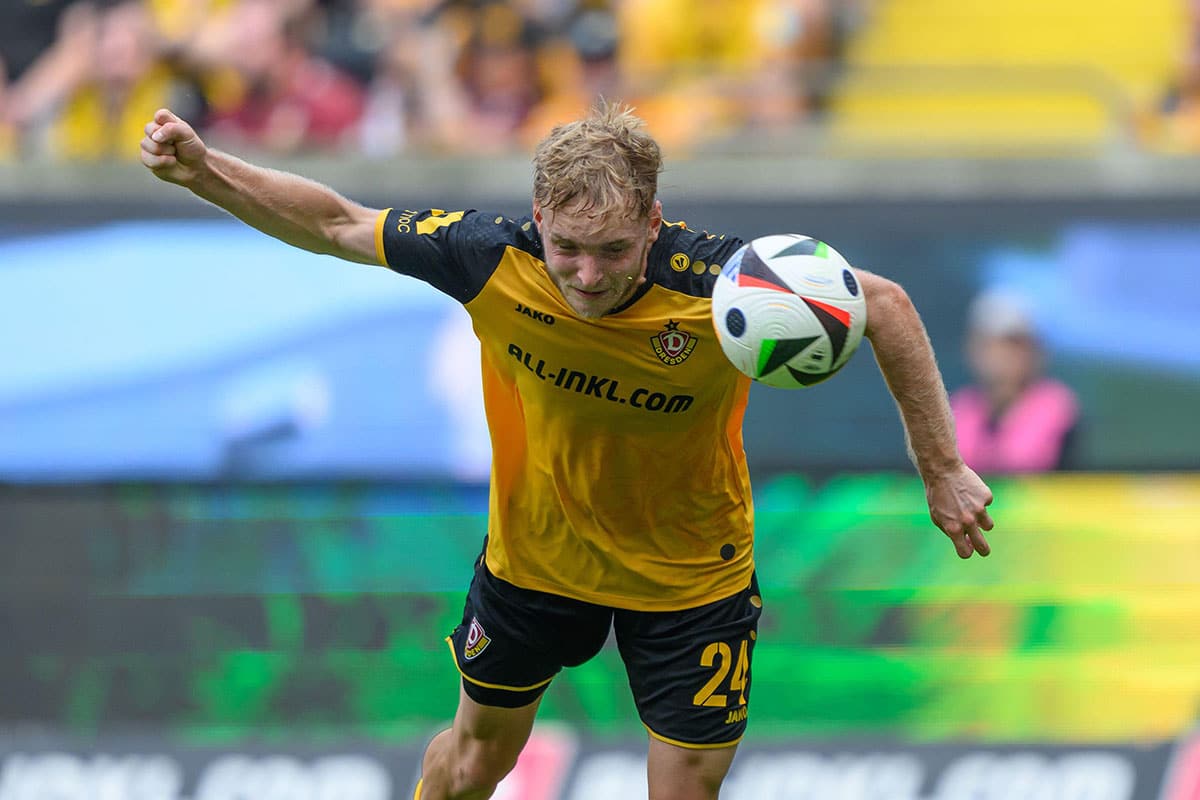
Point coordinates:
[[1028, 437]]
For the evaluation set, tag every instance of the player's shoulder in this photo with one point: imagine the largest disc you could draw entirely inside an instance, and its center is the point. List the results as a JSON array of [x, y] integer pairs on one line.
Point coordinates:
[[457, 252], [483, 240], [479, 230], [687, 260], [486, 227]]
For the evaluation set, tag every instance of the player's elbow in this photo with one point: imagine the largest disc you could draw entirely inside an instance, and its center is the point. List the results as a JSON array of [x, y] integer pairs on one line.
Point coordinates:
[[351, 235], [886, 301]]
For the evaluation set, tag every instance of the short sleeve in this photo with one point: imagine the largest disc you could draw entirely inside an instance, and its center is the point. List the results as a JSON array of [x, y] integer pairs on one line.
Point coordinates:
[[453, 251]]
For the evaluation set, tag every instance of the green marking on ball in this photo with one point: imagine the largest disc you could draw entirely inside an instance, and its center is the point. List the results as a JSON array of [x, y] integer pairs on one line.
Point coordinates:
[[822, 250], [764, 355]]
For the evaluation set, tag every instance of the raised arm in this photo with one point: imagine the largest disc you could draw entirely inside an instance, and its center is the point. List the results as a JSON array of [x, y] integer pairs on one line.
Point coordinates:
[[293, 209], [957, 498]]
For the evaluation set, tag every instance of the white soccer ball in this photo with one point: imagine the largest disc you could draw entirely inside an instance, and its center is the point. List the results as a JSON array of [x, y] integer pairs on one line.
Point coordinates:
[[788, 310]]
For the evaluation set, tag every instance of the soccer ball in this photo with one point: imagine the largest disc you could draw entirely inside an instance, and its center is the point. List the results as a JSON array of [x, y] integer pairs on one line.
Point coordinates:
[[788, 310]]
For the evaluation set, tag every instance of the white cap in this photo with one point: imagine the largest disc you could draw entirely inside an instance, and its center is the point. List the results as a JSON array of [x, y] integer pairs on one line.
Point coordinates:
[[1002, 313]]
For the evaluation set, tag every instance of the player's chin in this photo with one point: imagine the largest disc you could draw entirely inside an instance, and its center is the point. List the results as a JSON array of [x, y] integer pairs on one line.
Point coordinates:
[[590, 312]]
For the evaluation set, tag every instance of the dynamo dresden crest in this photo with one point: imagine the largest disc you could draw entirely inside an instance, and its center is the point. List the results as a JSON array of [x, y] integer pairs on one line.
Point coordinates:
[[673, 346], [477, 640]]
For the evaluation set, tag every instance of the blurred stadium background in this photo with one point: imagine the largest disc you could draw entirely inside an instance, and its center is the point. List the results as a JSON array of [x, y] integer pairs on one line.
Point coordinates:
[[241, 486]]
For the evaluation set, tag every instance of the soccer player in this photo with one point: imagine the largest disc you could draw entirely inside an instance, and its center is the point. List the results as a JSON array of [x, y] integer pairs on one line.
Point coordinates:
[[620, 497]]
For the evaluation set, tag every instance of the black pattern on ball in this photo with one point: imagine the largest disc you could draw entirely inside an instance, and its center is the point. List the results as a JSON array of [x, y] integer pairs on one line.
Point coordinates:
[[735, 322]]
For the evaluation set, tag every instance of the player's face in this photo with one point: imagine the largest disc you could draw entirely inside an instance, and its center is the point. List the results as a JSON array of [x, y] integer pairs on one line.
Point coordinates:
[[597, 262]]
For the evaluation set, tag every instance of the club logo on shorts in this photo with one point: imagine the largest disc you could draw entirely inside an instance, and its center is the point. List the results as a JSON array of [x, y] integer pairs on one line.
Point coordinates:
[[673, 346], [477, 640]]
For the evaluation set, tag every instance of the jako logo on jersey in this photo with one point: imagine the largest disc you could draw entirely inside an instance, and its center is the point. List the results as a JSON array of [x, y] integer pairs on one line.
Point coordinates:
[[477, 640], [540, 316], [680, 262], [673, 346]]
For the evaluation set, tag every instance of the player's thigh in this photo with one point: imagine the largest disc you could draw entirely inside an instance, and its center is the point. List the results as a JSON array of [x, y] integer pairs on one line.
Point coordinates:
[[686, 773], [513, 641], [689, 670]]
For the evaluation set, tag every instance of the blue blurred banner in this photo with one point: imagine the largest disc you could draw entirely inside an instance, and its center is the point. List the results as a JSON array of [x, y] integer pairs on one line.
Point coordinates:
[[198, 349], [1123, 293]]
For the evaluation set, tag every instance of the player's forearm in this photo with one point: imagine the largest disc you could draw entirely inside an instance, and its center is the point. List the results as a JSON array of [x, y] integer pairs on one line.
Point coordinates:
[[290, 208], [906, 359]]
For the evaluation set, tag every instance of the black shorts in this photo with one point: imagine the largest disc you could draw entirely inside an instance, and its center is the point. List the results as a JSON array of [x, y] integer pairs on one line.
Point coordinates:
[[689, 670]]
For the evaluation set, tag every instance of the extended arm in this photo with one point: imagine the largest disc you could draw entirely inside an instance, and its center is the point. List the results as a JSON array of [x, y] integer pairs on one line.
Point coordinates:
[[293, 209], [957, 498]]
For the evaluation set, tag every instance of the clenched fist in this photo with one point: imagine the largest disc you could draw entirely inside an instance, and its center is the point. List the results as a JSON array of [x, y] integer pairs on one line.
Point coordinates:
[[171, 149]]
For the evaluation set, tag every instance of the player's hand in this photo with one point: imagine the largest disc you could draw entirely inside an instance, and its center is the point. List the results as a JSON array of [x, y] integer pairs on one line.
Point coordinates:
[[958, 504], [171, 149]]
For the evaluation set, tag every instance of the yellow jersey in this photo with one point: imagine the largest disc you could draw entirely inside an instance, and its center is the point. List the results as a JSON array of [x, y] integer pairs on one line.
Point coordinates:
[[618, 472]]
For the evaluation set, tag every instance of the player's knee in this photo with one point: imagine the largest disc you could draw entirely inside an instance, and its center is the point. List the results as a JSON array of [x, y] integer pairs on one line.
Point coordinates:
[[687, 774], [480, 765], [707, 774]]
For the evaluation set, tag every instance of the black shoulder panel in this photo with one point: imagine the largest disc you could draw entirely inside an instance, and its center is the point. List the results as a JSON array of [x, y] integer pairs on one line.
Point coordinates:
[[689, 261]]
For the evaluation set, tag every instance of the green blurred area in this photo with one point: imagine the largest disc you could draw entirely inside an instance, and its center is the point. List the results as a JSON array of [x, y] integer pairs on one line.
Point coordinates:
[[223, 612]]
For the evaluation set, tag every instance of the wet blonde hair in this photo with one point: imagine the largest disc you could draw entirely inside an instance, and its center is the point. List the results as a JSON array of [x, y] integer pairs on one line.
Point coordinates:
[[604, 162]]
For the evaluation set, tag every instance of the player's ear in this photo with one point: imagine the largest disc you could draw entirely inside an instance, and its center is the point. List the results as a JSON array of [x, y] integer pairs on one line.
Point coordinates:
[[655, 220], [537, 214]]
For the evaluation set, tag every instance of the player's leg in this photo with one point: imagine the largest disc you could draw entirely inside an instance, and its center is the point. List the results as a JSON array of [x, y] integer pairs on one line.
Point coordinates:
[[510, 645], [690, 675], [467, 761], [686, 773]]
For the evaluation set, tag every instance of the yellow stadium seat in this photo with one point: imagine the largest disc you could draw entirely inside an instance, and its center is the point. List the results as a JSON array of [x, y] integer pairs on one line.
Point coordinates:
[[996, 78]]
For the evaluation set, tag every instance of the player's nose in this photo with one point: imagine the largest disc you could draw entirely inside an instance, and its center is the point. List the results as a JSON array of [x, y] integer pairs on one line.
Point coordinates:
[[589, 274]]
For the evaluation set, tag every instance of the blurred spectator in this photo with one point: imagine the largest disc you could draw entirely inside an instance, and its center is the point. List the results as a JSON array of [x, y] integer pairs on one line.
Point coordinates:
[[798, 38], [415, 87], [8, 131], [46, 49], [576, 65], [489, 83], [405, 54], [1176, 125], [27, 30], [679, 74], [722, 65], [126, 81], [498, 71], [1013, 418], [1178, 129], [288, 99]]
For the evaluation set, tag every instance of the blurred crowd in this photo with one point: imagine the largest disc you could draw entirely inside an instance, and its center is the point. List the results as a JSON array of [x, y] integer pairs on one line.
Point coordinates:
[[1174, 126], [79, 78]]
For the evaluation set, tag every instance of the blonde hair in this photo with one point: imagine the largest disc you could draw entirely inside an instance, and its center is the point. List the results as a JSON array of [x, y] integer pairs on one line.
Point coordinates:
[[604, 162]]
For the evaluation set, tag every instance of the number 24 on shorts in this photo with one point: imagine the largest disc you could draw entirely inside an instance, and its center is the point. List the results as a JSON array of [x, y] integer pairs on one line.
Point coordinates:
[[719, 655]]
